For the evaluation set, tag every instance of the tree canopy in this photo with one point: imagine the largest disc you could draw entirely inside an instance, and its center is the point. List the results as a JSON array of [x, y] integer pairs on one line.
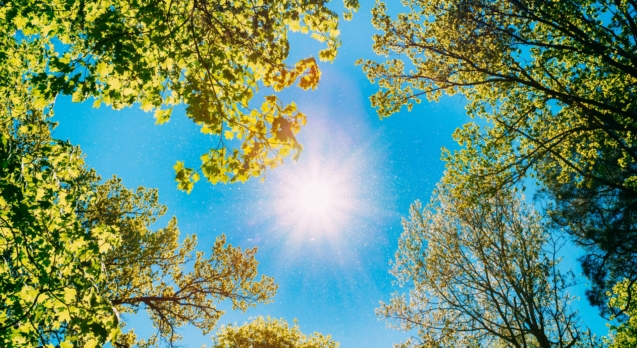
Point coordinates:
[[154, 271], [50, 264], [77, 255], [556, 83], [212, 56], [623, 334], [268, 332], [553, 84], [481, 273]]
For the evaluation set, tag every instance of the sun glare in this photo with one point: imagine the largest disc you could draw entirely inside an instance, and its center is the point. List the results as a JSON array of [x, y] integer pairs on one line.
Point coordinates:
[[316, 201], [315, 198]]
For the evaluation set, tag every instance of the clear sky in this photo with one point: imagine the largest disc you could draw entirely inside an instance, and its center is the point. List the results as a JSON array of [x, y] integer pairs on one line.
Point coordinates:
[[327, 225]]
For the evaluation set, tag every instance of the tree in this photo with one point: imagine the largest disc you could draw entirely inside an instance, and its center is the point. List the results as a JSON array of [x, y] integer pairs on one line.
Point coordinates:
[[482, 272], [264, 333], [49, 263], [556, 83], [213, 56], [625, 333], [152, 270], [75, 254]]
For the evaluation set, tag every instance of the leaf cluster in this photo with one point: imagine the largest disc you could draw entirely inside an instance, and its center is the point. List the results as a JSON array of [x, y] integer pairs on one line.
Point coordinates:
[[212, 56], [50, 263], [76, 255], [623, 334], [269, 332]]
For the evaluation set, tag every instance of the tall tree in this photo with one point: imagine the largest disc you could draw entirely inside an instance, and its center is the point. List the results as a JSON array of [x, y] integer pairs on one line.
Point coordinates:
[[212, 56], [481, 272], [49, 263], [76, 255], [154, 271], [556, 82], [268, 332]]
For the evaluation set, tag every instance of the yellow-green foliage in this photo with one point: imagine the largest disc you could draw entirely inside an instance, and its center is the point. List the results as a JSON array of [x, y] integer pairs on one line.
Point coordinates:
[[269, 332], [75, 254], [555, 83], [212, 56], [625, 333], [481, 272], [49, 262], [152, 270]]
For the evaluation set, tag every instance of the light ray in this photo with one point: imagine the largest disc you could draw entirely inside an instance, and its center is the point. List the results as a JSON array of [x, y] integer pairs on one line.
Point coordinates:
[[316, 201]]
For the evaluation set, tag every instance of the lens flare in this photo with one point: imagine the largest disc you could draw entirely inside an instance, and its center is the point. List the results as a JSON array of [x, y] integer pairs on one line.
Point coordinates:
[[315, 198], [316, 201]]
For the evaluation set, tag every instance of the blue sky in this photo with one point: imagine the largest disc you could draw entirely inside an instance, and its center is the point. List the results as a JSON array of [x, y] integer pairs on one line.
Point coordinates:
[[331, 272]]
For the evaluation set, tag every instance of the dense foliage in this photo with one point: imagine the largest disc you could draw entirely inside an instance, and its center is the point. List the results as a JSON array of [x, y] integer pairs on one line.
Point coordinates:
[[556, 82], [77, 254], [268, 332], [625, 333], [50, 263], [212, 56]]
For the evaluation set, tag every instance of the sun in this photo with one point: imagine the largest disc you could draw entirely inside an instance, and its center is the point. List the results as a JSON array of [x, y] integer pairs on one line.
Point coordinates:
[[315, 200]]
